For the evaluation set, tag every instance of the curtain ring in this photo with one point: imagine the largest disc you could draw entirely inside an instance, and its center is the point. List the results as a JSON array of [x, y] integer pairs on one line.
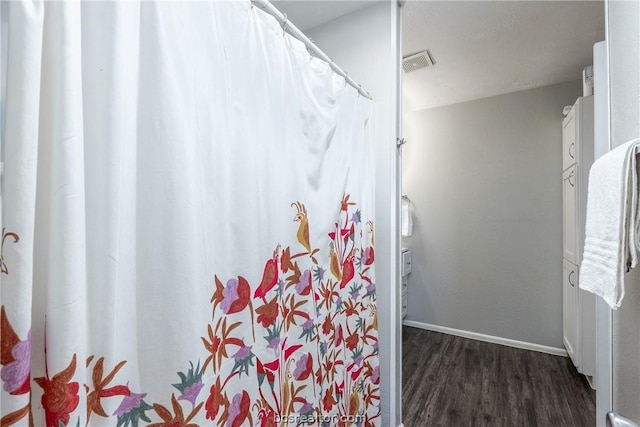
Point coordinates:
[[253, 2], [284, 24], [346, 78]]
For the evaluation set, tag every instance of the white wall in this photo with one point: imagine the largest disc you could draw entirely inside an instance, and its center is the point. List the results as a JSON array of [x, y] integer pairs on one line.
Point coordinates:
[[624, 60], [364, 44], [485, 180]]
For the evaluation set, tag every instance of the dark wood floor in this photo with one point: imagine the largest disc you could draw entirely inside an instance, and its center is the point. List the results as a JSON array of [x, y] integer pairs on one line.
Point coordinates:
[[451, 381]]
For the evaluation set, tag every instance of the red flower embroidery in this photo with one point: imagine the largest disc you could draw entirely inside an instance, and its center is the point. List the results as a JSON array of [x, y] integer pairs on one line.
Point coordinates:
[[339, 336], [60, 396], [239, 409], [267, 419], [232, 298], [304, 367], [215, 401], [352, 341], [327, 326], [285, 262], [236, 295], [215, 344], [344, 205], [267, 369], [328, 401], [268, 313], [269, 276]]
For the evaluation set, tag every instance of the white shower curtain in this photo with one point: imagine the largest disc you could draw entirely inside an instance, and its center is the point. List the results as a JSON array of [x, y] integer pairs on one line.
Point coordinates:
[[187, 230]]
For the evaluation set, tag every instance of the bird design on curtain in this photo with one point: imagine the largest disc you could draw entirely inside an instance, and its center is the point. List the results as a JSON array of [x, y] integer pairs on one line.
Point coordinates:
[[299, 346]]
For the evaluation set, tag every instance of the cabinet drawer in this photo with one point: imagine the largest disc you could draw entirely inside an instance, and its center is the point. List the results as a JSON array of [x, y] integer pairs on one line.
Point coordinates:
[[406, 263], [569, 146], [569, 218], [570, 323]]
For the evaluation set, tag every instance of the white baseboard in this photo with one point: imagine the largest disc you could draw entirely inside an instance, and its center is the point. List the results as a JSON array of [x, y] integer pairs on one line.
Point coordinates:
[[488, 338]]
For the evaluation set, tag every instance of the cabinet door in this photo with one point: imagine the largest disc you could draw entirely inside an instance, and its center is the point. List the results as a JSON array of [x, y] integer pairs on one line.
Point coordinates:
[[569, 147], [569, 313], [569, 235]]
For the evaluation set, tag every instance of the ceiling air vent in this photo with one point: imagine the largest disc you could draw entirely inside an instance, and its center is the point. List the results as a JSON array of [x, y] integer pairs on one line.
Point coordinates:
[[417, 61]]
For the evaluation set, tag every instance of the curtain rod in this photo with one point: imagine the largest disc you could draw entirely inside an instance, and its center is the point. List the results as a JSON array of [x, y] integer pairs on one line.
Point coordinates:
[[287, 26]]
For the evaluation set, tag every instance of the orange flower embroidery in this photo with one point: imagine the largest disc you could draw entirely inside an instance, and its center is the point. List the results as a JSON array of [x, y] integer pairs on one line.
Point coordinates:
[[268, 313], [328, 400], [352, 341]]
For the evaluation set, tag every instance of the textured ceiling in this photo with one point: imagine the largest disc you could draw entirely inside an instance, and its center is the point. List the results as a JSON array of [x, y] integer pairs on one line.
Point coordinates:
[[481, 48], [307, 14], [488, 48]]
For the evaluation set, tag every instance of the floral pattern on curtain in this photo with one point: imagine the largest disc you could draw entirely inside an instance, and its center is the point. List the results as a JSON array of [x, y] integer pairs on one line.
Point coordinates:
[[184, 242], [327, 373]]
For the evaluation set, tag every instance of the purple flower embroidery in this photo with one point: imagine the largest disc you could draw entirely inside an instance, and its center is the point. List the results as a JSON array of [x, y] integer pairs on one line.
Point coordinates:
[[234, 409], [355, 218], [304, 367], [129, 403], [243, 353], [230, 295], [301, 366], [15, 374], [375, 376], [366, 255], [238, 410], [308, 324], [371, 287], [243, 358], [274, 344], [304, 285], [191, 393], [190, 383], [306, 409]]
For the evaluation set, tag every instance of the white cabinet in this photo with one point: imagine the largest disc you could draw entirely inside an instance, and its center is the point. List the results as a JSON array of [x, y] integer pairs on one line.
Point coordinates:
[[569, 222], [406, 270], [569, 139], [569, 303], [579, 310], [406, 262]]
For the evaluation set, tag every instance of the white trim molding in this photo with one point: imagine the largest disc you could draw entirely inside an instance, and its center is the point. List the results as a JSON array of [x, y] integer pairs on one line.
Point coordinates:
[[488, 338]]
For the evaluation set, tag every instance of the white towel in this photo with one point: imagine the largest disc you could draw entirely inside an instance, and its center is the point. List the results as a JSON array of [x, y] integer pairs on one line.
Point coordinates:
[[406, 219], [611, 230]]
